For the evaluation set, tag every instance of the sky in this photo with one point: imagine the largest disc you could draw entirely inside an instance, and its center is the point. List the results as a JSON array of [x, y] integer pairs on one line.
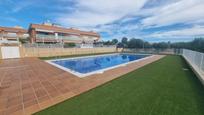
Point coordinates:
[[150, 20]]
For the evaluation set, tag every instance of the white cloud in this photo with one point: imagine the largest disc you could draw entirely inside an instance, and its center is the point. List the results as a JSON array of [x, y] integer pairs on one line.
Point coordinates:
[[99, 12], [89, 14], [184, 11], [196, 31], [118, 18]]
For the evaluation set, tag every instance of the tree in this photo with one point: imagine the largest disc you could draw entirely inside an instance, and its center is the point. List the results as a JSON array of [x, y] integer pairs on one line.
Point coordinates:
[[69, 45], [107, 42], [24, 40], [147, 45], [114, 41], [160, 45], [124, 41], [197, 44], [135, 43], [120, 45]]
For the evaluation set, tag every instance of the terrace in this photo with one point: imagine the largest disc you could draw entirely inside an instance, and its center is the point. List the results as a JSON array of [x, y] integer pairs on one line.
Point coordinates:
[[60, 38], [157, 85]]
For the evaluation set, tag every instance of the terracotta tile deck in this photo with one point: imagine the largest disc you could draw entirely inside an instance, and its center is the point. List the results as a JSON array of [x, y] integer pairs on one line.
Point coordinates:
[[29, 85]]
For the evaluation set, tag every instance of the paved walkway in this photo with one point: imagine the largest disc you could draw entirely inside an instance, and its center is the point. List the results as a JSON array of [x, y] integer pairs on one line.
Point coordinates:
[[29, 85]]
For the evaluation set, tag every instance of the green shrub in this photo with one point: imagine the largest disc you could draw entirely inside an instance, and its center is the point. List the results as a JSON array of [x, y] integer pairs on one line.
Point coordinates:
[[69, 45]]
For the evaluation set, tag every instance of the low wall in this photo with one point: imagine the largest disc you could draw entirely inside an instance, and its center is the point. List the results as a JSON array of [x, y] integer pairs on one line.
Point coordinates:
[[196, 62], [2, 45], [49, 52]]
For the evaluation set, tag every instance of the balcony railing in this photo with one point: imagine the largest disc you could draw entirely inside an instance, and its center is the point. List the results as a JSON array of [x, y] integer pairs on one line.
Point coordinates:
[[14, 35], [71, 38], [53, 37], [8, 35], [40, 36], [4, 41]]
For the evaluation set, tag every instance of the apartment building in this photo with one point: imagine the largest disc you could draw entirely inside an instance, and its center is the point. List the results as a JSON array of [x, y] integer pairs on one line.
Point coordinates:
[[12, 35], [50, 33]]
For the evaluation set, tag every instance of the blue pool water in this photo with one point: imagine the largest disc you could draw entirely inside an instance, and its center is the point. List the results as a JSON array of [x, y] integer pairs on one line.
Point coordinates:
[[90, 64]]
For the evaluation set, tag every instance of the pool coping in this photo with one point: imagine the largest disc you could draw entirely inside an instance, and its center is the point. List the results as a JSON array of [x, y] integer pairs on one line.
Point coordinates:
[[101, 71]]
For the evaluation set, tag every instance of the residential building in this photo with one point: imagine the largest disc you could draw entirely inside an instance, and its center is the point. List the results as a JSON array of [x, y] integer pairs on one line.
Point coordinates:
[[50, 33], [12, 35]]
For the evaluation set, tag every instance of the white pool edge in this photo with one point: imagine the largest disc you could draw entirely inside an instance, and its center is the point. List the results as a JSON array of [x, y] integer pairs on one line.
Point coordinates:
[[81, 75]]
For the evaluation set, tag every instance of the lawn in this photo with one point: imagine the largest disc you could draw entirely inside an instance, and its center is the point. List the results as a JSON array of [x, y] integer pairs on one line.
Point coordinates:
[[160, 88]]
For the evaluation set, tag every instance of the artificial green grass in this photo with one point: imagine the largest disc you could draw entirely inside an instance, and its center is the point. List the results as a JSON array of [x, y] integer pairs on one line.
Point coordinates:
[[160, 88], [77, 55]]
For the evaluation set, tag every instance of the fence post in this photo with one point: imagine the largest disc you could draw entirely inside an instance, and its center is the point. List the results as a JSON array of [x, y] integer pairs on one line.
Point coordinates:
[[37, 51], [201, 62], [49, 49], [194, 58]]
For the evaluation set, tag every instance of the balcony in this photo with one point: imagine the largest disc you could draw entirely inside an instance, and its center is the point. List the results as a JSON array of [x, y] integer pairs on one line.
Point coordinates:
[[5, 41], [41, 36], [13, 36], [8, 35], [70, 38], [45, 38]]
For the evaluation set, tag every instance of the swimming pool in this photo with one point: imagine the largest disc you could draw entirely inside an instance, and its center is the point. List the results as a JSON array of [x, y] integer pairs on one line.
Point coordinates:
[[84, 66]]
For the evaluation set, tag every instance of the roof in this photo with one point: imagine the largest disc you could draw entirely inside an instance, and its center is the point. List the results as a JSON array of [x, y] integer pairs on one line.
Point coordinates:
[[13, 29], [63, 30]]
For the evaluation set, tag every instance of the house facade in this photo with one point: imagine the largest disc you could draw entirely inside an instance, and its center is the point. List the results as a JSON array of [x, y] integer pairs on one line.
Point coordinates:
[[49, 33], [12, 35]]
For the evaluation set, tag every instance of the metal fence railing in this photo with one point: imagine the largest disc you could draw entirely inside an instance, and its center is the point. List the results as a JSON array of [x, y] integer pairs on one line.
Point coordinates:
[[196, 60], [60, 45], [152, 51]]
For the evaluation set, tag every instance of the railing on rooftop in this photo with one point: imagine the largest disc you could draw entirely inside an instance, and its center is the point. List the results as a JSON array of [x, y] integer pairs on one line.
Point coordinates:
[[196, 60]]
